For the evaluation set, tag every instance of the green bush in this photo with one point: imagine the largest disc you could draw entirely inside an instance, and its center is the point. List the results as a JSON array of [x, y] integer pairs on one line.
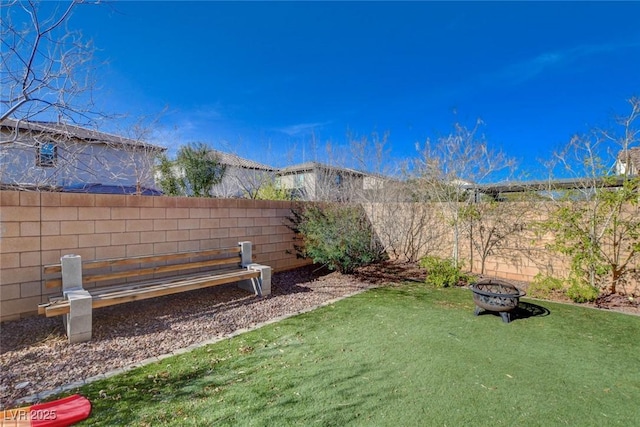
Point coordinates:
[[442, 273], [544, 286], [582, 292], [336, 235]]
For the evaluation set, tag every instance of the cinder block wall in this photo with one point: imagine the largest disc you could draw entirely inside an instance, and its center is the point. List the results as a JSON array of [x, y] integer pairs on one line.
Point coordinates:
[[38, 228], [521, 257]]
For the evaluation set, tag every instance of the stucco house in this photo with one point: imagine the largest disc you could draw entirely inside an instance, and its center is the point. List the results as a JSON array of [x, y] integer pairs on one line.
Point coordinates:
[[47, 155], [320, 182], [628, 162], [242, 178]]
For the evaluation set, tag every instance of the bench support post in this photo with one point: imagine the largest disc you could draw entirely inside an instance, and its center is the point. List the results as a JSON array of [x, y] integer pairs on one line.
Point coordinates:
[[261, 286], [245, 254], [264, 281], [78, 322]]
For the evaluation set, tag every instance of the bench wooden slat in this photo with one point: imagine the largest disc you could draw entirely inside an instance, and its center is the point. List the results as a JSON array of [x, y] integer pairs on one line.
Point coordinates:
[[106, 300], [53, 283], [140, 291], [54, 308], [53, 268], [57, 268], [234, 251], [156, 270], [161, 280], [53, 301], [57, 283]]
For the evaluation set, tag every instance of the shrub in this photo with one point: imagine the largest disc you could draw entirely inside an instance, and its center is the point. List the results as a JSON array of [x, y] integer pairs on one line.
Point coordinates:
[[544, 286], [269, 191], [582, 292], [442, 273], [336, 235]]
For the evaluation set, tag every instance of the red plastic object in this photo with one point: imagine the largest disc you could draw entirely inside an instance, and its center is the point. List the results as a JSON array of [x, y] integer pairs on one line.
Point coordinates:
[[57, 413]]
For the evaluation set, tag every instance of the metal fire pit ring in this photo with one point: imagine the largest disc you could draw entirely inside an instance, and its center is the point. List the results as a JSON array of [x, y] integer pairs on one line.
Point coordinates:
[[496, 295]]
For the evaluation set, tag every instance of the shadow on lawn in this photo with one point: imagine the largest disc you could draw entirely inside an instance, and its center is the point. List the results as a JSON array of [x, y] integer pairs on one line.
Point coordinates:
[[126, 397], [385, 272], [525, 310]]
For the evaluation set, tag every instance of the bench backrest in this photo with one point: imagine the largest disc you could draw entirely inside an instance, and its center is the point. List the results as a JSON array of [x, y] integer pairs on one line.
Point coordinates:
[[125, 268]]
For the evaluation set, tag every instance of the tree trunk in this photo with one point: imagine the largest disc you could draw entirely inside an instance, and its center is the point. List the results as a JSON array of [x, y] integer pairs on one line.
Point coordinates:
[[616, 273]]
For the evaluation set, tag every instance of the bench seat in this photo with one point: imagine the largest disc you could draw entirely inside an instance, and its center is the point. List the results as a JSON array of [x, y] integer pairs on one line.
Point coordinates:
[[144, 290], [101, 283]]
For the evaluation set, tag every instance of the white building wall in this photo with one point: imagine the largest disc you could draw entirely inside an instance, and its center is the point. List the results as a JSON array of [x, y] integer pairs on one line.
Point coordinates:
[[77, 163], [239, 182]]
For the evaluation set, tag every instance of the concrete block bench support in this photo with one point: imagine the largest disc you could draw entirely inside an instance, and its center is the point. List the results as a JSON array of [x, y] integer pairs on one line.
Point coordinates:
[[261, 286], [78, 322]]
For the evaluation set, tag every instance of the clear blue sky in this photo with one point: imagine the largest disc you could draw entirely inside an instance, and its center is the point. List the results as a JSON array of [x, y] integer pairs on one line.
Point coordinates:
[[259, 78]]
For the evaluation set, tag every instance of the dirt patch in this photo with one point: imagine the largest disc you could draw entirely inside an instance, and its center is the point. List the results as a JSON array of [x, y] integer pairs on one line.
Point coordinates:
[[621, 303], [391, 272]]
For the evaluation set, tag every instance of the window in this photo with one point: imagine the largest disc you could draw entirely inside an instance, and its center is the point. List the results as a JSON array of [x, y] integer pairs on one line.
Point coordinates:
[[47, 154]]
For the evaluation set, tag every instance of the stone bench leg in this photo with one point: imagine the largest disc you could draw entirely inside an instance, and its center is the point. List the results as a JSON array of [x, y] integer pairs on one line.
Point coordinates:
[[264, 281], [260, 286], [79, 320], [78, 323]]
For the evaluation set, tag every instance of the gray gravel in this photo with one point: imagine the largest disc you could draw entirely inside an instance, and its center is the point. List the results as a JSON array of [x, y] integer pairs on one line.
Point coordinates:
[[35, 356]]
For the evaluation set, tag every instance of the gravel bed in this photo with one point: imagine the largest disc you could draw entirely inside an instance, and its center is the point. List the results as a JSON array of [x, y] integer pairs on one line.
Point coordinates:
[[35, 356]]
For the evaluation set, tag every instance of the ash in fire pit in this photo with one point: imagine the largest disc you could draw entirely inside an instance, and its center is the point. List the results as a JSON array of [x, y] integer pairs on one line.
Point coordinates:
[[496, 295]]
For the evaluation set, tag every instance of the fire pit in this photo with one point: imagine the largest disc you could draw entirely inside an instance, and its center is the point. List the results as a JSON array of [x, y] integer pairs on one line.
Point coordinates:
[[496, 295]]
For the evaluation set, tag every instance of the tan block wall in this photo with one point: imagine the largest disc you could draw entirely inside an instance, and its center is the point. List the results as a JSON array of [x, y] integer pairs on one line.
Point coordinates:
[[38, 228], [521, 258]]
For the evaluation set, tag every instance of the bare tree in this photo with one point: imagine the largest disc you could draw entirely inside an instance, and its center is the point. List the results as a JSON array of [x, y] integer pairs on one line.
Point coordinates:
[[361, 171], [596, 224], [45, 65], [449, 169], [244, 181], [45, 93], [404, 225], [44, 75], [497, 227], [138, 159]]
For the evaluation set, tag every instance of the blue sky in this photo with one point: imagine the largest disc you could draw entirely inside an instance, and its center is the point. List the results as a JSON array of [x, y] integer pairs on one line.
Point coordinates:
[[260, 79]]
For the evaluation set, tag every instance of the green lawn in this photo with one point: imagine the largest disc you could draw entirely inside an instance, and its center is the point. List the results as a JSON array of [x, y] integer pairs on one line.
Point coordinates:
[[402, 356]]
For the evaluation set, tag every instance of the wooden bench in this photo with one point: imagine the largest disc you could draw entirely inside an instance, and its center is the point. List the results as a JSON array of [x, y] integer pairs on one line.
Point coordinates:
[[122, 280]]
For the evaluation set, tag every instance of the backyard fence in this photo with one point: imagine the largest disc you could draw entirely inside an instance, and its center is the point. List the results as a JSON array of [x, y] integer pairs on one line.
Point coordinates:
[[37, 228]]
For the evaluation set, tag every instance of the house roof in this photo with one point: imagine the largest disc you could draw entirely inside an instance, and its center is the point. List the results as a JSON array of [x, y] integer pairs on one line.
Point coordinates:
[[546, 185], [240, 162], [309, 166], [68, 130], [633, 154], [109, 189]]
